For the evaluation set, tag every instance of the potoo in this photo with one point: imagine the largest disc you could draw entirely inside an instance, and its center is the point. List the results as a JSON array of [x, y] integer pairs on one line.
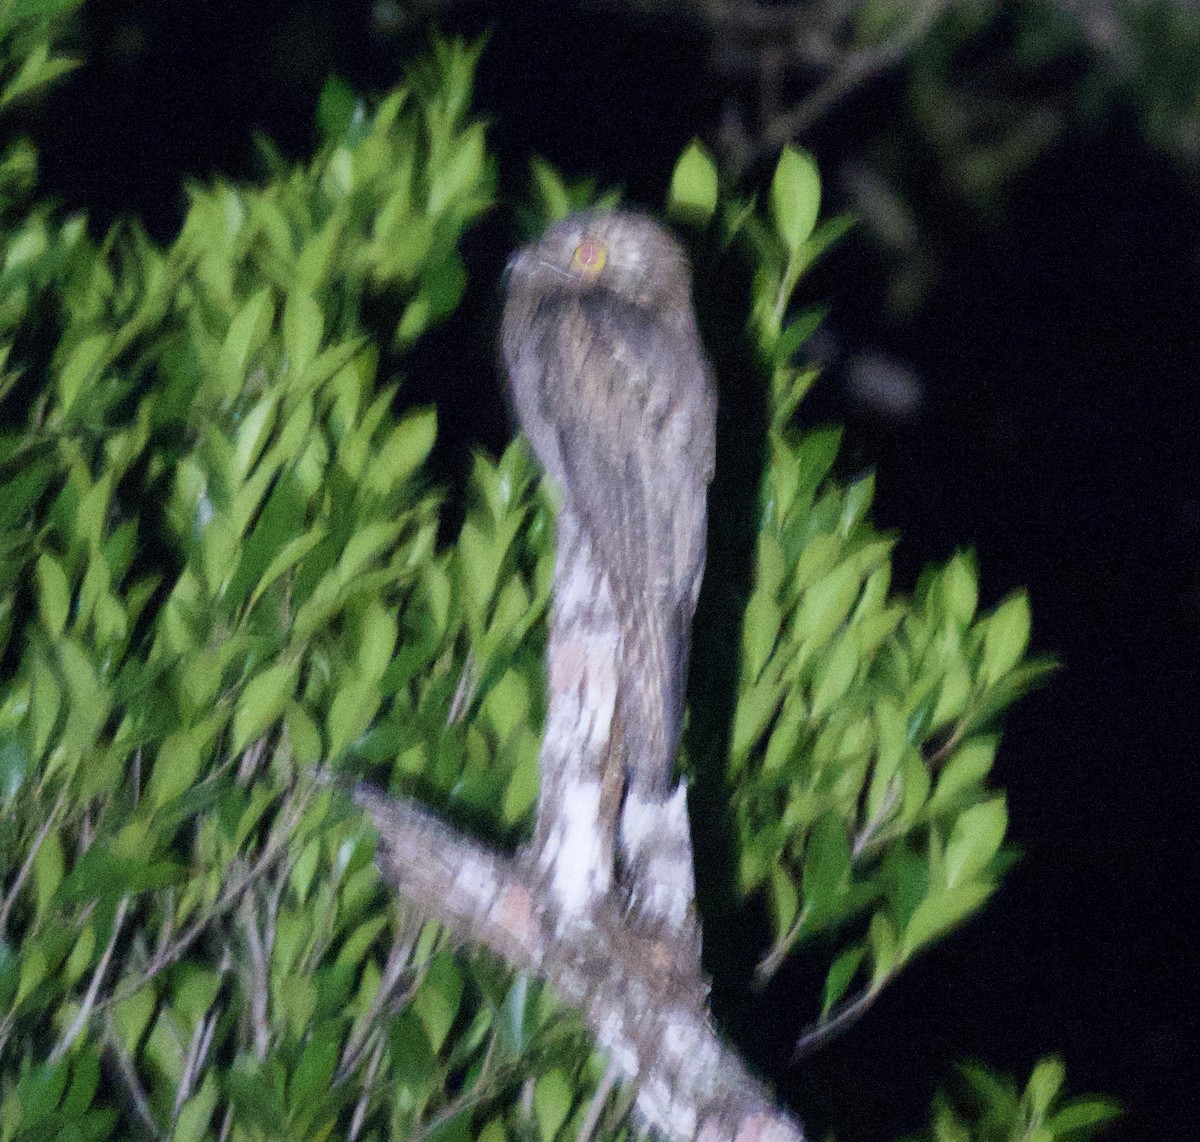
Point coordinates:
[[611, 385]]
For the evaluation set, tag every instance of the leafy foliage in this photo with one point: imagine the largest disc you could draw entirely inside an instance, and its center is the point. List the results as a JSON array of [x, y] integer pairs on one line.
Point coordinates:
[[864, 731], [220, 555], [220, 573], [991, 1109], [991, 89]]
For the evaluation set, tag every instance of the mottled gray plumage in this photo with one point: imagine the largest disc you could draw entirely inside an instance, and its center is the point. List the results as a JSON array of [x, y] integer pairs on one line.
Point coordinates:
[[612, 387]]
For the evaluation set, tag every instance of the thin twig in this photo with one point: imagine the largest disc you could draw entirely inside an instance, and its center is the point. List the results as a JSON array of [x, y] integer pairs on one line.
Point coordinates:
[[89, 1000], [858, 67], [773, 960], [27, 864], [193, 1062], [364, 1099], [599, 1100], [393, 971], [824, 1029], [870, 833], [464, 691], [272, 851], [260, 988], [251, 757], [129, 1076]]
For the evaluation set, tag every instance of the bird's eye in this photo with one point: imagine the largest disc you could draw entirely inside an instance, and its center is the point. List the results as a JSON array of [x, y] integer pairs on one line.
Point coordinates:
[[590, 256]]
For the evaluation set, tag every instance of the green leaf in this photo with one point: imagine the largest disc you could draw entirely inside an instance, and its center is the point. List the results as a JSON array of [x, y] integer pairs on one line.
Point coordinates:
[[881, 936], [826, 865], [760, 631], [795, 198], [461, 172], [1006, 639], [966, 770], [443, 284], [1044, 1085], [523, 786], [367, 543], [402, 453], [693, 193], [552, 193], [38, 1092], [790, 727], [975, 840], [351, 712], [517, 1014], [44, 707], [285, 559], [336, 107], [34, 968], [938, 913], [252, 435], [247, 331], [494, 1132], [754, 711], [785, 901], [1084, 1114], [85, 1078], [191, 1124], [87, 359], [48, 868], [854, 509], [953, 695], [313, 1075], [841, 972], [836, 675], [826, 604], [262, 701], [960, 589], [89, 700], [377, 641], [304, 734], [132, 1016], [15, 766], [891, 735], [23, 488], [178, 763], [995, 1092], [454, 1129], [54, 594], [552, 1100], [315, 262], [37, 70], [195, 990], [438, 998]]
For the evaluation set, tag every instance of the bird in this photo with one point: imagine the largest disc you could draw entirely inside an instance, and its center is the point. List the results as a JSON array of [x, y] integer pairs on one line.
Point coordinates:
[[610, 382]]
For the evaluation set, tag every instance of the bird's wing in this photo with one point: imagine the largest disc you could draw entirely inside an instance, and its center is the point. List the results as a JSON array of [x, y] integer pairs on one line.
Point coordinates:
[[605, 377]]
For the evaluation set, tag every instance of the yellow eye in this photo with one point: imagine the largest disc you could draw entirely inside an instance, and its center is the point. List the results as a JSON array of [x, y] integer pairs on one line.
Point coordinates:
[[590, 256]]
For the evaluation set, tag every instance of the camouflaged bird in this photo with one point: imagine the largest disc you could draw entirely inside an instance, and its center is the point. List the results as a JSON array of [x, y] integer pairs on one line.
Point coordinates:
[[611, 385]]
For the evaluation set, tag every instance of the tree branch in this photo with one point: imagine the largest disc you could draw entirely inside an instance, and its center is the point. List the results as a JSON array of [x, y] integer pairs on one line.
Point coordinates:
[[650, 1017], [849, 73]]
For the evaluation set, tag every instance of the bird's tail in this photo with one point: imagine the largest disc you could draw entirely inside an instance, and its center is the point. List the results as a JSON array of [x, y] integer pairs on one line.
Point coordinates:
[[652, 695]]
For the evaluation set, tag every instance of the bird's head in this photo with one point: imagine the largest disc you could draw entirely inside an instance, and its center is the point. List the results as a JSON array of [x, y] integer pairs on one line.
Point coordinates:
[[625, 253]]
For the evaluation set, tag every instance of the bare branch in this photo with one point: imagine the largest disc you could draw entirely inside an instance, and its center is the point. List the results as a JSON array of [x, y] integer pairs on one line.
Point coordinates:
[[852, 72], [648, 1015]]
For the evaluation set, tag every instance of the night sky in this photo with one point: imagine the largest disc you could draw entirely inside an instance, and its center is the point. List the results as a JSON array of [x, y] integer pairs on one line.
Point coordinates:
[[1059, 360]]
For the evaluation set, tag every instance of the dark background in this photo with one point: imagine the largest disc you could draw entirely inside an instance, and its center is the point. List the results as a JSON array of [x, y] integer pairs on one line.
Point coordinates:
[[1057, 358]]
